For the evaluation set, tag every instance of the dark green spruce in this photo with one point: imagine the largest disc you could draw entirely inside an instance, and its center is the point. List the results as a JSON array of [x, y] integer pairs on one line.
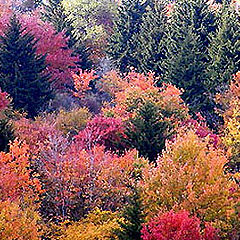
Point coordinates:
[[6, 133], [147, 132], [186, 43], [22, 70], [123, 41], [133, 212], [224, 50], [134, 218], [150, 45]]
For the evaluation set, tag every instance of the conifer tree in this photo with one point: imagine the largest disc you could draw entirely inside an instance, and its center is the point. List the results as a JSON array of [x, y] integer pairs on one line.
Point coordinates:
[[123, 43], [133, 212], [134, 218], [147, 132], [150, 47], [224, 50], [55, 14], [186, 51], [21, 69]]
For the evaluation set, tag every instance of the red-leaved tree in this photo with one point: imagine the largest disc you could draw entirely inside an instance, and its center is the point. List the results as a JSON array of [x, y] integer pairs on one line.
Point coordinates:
[[176, 226], [101, 130], [59, 59]]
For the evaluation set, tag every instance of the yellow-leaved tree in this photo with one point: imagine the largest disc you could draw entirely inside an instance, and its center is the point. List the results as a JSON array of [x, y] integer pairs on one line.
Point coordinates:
[[98, 225], [190, 175], [231, 115]]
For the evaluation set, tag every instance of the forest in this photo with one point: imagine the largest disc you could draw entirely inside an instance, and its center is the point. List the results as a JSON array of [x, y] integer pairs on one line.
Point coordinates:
[[119, 120]]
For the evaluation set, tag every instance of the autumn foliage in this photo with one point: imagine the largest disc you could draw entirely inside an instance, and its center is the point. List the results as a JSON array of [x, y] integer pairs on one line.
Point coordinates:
[[190, 175], [82, 81], [16, 182], [134, 89], [97, 225], [229, 102], [100, 130], [68, 164], [172, 226], [140, 165], [59, 58], [17, 222], [19, 195]]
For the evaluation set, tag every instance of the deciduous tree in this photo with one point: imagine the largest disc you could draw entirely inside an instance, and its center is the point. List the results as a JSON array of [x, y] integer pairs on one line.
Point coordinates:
[[171, 226], [189, 176]]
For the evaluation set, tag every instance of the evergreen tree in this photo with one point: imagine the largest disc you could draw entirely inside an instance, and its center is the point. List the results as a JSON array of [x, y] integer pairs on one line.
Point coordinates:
[[7, 118], [56, 15], [186, 51], [224, 50], [134, 218], [21, 69], [123, 43], [133, 212], [150, 44], [147, 132]]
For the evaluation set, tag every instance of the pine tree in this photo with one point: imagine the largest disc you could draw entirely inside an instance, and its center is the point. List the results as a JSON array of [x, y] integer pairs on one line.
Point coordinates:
[[56, 15], [147, 132], [186, 51], [224, 50], [150, 50], [21, 69], [123, 43]]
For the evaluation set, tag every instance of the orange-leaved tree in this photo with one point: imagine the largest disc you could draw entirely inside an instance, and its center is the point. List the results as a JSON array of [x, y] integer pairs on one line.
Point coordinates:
[[82, 81], [19, 222], [19, 194], [130, 92], [15, 174]]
